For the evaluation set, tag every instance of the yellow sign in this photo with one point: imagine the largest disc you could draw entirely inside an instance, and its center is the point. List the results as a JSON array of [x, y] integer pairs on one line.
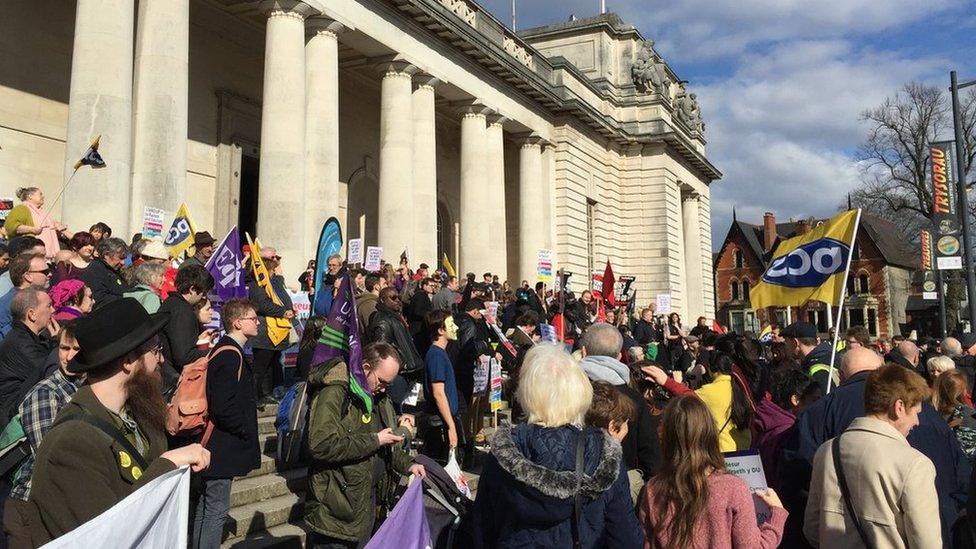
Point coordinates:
[[124, 459], [278, 328]]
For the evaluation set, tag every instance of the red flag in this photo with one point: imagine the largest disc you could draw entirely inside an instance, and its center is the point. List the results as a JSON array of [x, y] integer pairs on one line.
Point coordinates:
[[608, 283], [716, 327]]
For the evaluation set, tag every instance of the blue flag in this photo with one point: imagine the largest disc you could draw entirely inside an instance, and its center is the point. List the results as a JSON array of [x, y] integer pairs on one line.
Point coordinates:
[[226, 266], [330, 242]]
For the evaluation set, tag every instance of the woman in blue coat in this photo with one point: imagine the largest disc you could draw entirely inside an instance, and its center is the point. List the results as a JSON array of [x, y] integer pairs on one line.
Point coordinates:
[[527, 487]]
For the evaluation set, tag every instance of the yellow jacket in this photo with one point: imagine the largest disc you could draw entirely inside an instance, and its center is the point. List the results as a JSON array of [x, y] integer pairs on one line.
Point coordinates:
[[717, 395]]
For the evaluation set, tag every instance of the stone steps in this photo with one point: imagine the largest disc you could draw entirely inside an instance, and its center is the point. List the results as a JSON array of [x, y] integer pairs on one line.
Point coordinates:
[[258, 488], [283, 536], [256, 517]]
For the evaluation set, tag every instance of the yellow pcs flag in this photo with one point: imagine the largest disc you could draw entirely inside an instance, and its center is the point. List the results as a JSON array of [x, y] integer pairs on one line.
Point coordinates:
[[180, 235], [809, 267], [448, 268], [278, 328]]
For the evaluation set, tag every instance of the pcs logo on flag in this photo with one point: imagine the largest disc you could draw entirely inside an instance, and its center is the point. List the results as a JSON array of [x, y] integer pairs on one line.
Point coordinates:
[[809, 265]]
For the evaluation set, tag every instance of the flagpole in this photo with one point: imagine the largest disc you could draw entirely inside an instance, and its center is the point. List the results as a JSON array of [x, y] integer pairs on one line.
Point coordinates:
[[60, 194], [843, 292]]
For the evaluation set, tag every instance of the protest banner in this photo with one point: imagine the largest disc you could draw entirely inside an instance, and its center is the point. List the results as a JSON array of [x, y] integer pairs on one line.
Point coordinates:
[[355, 254], [544, 266], [406, 527], [495, 396], [482, 371], [747, 466], [6, 204], [152, 222], [663, 304], [548, 332], [373, 256], [154, 517]]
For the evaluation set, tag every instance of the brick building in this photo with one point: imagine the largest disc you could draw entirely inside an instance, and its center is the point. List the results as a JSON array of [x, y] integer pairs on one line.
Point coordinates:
[[878, 286]]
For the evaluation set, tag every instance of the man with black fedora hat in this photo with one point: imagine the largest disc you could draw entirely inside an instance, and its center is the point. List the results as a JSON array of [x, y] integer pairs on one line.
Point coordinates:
[[110, 439], [203, 245]]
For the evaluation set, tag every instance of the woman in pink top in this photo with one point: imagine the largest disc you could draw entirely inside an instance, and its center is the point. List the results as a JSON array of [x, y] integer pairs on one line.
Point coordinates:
[[692, 502]]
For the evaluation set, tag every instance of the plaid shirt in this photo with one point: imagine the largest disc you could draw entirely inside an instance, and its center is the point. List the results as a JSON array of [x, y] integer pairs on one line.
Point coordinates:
[[37, 414]]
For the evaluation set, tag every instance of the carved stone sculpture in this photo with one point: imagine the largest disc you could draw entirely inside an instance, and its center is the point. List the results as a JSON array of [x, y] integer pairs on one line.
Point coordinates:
[[687, 110], [649, 71]]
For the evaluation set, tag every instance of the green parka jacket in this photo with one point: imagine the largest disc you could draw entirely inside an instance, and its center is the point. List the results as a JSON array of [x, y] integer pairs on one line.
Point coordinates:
[[339, 501]]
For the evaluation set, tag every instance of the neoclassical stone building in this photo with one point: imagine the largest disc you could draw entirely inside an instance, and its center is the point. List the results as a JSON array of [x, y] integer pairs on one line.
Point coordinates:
[[421, 124]]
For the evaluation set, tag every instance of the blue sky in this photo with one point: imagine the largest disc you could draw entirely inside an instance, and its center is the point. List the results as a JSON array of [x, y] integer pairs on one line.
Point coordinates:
[[782, 82]]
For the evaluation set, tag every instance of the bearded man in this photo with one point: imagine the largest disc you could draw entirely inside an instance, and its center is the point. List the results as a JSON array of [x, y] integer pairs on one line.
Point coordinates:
[[110, 439]]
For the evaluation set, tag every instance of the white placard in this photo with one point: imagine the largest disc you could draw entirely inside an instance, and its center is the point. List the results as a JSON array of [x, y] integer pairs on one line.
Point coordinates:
[[355, 254], [152, 222], [930, 295], [373, 256], [663, 304], [748, 466], [948, 263]]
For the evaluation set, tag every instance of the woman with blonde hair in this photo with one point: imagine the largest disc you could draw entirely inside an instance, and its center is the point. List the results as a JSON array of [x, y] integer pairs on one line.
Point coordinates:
[[527, 494], [692, 502], [29, 218]]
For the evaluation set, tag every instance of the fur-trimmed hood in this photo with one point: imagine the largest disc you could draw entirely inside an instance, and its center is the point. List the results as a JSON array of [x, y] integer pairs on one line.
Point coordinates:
[[543, 460]]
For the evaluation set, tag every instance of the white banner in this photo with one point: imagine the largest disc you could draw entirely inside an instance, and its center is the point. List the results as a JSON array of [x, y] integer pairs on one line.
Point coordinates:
[[663, 304], [355, 254], [155, 516], [373, 256], [747, 466]]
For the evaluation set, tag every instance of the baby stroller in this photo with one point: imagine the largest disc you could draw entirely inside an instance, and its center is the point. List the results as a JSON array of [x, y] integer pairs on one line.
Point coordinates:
[[444, 505]]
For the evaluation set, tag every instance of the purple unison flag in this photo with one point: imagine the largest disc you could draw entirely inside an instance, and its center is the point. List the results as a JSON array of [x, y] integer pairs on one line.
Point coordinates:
[[226, 266], [340, 338], [406, 527]]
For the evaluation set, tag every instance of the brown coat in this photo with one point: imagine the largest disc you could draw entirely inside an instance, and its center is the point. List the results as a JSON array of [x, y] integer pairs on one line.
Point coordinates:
[[79, 472]]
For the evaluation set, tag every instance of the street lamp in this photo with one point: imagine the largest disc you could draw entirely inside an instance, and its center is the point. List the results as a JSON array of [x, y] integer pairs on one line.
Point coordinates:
[[954, 87]]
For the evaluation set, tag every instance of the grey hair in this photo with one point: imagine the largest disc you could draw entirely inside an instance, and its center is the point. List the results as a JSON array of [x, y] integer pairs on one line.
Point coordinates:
[[939, 364], [147, 273], [25, 300], [24, 193], [951, 347], [602, 339], [112, 246], [334, 256]]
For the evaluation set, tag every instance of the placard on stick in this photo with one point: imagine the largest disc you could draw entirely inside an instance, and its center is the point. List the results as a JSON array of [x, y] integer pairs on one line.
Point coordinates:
[[374, 254]]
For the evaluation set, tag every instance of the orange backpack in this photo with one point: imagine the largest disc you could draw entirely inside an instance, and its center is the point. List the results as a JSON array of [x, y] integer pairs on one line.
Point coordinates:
[[187, 413]]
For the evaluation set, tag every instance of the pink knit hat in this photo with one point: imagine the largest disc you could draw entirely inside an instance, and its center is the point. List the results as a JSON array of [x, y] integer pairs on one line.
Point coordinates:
[[63, 291]]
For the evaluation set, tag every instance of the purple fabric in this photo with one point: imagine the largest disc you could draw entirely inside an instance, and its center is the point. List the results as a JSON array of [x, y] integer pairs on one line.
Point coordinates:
[[340, 339], [406, 527], [225, 265], [771, 424]]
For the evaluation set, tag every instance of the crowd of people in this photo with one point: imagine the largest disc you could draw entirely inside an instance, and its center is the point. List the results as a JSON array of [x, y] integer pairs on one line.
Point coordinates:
[[619, 424]]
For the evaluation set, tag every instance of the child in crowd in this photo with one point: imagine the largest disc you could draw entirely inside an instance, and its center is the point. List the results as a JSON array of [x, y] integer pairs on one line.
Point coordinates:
[[612, 410]]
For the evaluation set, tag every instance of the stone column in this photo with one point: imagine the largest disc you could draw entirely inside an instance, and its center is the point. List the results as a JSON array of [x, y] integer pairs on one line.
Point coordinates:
[[532, 235], [495, 193], [281, 209], [549, 188], [321, 128], [160, 115], [100, 103], [475, 200], [694, 286], [395, 226], [424, 172]]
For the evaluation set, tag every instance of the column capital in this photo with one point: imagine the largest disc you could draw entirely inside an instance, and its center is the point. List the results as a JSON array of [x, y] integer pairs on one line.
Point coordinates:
[[424, 80], [289, 8], [528, 139], [497, 119], [690, 196], [394, 65], [473, 107], [320, 24]]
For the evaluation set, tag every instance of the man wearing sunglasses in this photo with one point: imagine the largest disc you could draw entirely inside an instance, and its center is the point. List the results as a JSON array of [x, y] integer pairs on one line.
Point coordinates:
[[25, 349], [26, 270]]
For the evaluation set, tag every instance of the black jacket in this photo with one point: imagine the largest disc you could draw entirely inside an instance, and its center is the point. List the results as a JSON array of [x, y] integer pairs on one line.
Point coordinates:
[[645, 333], [417, 312], [267, 308], [178, 338], [234, 449], [642, 449], [106, 283], [817, 363], [472, 342], [389, 327], [22, 357]]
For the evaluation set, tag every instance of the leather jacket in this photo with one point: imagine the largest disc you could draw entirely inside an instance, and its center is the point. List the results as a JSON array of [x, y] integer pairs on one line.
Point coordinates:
[[388, 326]]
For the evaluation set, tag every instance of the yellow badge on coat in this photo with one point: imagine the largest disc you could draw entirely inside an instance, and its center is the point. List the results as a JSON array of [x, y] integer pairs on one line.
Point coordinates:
[[136, 472], [124, 459]]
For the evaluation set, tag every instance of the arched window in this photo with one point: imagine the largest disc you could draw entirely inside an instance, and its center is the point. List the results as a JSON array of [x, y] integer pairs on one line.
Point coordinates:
[[863, 283], [735, 290], [745, 290], [738, 259]]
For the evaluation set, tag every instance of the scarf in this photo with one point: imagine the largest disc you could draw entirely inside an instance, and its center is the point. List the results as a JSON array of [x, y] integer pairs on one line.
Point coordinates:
[[604, 368], [48, 235]]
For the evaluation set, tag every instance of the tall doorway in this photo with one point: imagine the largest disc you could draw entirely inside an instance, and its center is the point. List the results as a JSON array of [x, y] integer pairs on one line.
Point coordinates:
[[247, 212]]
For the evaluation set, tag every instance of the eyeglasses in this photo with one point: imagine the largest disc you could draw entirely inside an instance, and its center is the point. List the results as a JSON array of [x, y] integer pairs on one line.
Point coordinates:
[[156, 350], [254, 318], [45, 272]]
